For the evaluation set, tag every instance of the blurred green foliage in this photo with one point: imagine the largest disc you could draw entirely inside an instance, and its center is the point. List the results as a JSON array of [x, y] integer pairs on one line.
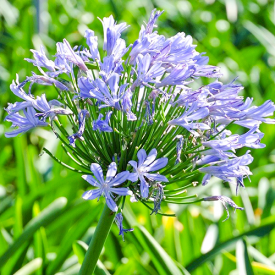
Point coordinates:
[[42, 233]]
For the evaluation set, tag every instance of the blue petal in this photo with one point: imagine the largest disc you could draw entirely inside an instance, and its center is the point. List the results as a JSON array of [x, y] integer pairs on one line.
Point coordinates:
[[134, 164], [133, 177], [91, 180], [111, 204], [157, 164], [141, 156], [120, 178], [156, 177], [91, 194], [112, 169], [151, 157], [144, 188], [121, 191], [96, 169]]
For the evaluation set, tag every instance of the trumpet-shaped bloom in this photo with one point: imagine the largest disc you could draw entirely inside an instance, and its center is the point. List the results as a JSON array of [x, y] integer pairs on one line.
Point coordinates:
[[190, 116], [145, 72], [91, 41], [41, 60], [224, 200], [24, 124], [235, 168], [106, 187], [142, 169], [118, 220], [78, 135], [103, 125], [112, 33]]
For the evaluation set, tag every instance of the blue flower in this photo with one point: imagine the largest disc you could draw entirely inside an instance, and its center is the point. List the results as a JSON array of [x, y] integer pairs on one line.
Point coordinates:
[[178, 75], [99, 90], [48, 109], [41, 60], [103, 125], [91, 41], [118, 220], [158, 195], [228, 170], [112, 33], [24, 123], [145, 165], [81, 120], [224, 200], [126, 104], [66, 53], [108, 186], [179, 148], [145, 72], [190, 115], [152, 20], [110, 66]]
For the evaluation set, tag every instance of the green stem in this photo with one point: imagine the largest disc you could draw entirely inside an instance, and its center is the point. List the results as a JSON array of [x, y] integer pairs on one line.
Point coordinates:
[[97, 242]]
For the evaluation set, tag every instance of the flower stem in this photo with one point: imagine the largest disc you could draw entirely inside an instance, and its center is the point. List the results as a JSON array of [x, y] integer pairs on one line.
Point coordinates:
[[97, 242]]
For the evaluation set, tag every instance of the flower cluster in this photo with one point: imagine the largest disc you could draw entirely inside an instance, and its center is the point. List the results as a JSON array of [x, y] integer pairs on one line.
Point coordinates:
[[131, 100]]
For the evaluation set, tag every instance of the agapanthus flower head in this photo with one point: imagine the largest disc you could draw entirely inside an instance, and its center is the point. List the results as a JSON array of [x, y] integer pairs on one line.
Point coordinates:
[[135, 100]]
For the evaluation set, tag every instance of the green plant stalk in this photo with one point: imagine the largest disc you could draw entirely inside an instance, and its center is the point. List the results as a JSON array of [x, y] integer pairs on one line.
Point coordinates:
[[97, 242]]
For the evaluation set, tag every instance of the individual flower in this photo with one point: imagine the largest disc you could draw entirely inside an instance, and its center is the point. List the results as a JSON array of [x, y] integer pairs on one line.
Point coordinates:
[[91, 41], [109, 93], [24, 124], [228, 170], [103, 125], [106, 187], [145, 72], [41, 60], [145, 165], [179, 148], [188, 118], [66, 53], [118, 220], [224, 200], [126, 104], [81, 120], [178, 75], [158, 195]]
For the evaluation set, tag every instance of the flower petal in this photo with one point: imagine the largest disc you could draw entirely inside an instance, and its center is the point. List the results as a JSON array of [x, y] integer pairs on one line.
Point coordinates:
[[111, 204], [111, 171], [156, 177], [134, 164], [144, 187], [121, 191], [157, 164], [141, 156], [91, 180], [133, 177], [96, 169], [91, 194], [151, 157], [120, 178]]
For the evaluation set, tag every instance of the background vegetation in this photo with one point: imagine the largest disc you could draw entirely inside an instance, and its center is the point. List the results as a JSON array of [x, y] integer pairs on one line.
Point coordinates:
[[43, 218]]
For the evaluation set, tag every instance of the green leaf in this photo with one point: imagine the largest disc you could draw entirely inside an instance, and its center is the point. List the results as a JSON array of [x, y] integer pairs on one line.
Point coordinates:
[[30, 267], [257, 232], [162, 261], [243, 263], [46, 216]]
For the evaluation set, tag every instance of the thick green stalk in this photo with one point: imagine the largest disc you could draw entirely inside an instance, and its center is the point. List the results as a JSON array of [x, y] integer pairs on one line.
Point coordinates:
[[97, 242]]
